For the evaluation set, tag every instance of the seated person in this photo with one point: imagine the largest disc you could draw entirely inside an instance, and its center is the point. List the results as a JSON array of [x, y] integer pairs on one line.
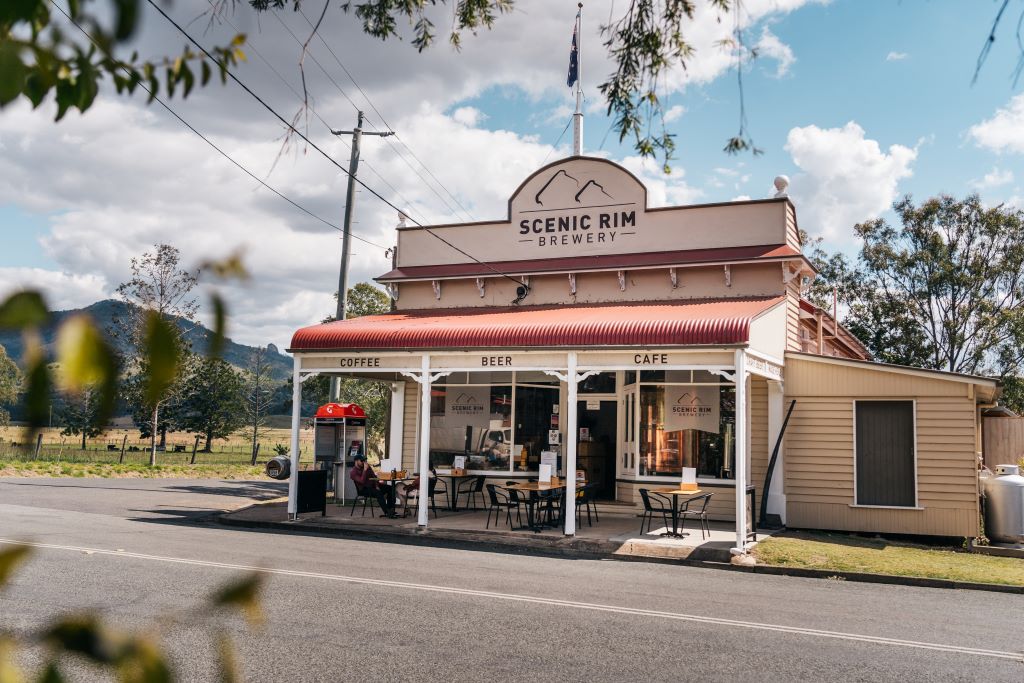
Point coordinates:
[[367, 485]]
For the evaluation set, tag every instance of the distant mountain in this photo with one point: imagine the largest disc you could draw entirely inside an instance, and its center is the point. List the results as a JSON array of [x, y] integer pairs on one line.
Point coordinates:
[[107, 313]]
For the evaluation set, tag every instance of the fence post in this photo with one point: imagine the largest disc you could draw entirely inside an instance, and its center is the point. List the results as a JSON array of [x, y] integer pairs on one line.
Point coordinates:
[[39, 445], [195, 445], [124, 441]]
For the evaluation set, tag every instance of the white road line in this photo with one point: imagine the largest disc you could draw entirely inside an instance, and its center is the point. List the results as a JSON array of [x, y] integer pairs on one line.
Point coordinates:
[[676, 616]]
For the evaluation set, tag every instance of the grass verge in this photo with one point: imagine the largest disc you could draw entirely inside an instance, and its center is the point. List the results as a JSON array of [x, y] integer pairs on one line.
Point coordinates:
[[842, 552], [127, 471]]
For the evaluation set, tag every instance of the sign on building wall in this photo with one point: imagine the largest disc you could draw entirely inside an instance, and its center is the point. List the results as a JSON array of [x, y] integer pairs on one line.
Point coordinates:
[[692, 407], [467, 406]]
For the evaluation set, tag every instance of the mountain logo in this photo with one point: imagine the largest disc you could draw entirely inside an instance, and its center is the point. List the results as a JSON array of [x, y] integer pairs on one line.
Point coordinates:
[[589, 191], [561, 173], [592, 184], [691, 405], [466, 405]]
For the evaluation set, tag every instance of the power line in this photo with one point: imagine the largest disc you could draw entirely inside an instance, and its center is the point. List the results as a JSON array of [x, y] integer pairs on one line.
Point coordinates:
[[387, 126], [270, 66], [312, 144], [298, 41], [211, 143]]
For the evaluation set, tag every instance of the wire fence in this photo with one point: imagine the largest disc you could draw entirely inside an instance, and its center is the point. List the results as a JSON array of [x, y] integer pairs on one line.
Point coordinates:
[[137, 452]]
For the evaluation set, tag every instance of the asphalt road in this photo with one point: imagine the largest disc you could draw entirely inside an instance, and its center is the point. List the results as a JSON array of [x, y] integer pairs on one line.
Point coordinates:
[[144, 551]]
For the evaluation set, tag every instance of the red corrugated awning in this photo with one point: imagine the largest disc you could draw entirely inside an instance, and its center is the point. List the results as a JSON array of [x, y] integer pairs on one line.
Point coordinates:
[[703, 322]]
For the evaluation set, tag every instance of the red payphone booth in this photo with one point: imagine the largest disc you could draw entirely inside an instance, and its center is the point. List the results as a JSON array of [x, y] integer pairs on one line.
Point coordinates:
[[339, 435]]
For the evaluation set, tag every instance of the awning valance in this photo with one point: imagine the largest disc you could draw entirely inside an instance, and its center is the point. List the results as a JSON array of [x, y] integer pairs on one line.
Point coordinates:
[[686, 323]]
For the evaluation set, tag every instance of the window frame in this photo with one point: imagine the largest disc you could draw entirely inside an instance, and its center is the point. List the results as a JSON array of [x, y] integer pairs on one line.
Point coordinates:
[[635, 388], [913, 422]]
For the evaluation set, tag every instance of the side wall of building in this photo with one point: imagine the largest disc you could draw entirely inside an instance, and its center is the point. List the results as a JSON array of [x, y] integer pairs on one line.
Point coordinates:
[[819, 459]]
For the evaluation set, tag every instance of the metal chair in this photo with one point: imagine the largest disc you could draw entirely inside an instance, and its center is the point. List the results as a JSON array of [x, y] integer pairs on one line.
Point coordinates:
[[470, 488], [368, 499], [432, 491], [661, 505], [587, 497], [700, 514], [502, 499]]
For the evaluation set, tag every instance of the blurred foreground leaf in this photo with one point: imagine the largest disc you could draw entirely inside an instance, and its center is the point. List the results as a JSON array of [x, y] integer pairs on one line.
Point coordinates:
[[85, 635], [243, 594], [161, 354], [87, 361], [220, 316], [10, 558], [23, 310], [142, 662]]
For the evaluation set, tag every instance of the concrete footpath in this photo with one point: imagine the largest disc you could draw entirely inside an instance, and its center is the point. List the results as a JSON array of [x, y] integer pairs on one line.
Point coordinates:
[[602, 540], [614, 535]]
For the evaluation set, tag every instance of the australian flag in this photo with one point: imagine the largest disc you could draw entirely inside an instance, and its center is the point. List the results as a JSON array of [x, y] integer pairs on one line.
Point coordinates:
[[574, 64]]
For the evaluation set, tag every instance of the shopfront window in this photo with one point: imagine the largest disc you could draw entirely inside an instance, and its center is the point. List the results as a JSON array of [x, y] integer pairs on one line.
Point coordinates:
[[687, 425], [536, 410], [472, 421], [495, 427]]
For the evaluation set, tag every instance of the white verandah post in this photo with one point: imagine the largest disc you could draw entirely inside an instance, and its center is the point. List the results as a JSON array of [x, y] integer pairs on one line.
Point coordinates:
[[572, 384], [741, 452], [293, 480], [422, 499]]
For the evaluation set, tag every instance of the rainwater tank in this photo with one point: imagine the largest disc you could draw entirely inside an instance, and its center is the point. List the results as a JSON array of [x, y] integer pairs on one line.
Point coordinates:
[[1004, 505]]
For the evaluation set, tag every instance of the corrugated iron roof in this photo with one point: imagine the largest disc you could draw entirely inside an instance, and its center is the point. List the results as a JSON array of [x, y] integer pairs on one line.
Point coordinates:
[[684, 323], [578, 264]]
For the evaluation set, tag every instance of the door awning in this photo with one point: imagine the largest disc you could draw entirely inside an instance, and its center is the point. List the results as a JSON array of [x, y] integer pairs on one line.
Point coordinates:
[[686, 323]]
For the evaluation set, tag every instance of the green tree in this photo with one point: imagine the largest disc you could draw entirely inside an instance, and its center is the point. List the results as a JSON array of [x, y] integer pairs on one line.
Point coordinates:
[[956, 268], [10, 383], [882, 325], [81, 415], [212, 400], [258, 391], [160, 292], [366, 299], [944, 290]]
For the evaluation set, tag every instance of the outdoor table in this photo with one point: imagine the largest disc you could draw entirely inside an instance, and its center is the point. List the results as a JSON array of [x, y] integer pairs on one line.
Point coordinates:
[[675, 493], [533, 488], [453, 500]]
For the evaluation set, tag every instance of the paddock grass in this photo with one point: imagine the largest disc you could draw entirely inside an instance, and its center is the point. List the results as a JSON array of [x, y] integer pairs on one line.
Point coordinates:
[[106, 449], [40, 468]]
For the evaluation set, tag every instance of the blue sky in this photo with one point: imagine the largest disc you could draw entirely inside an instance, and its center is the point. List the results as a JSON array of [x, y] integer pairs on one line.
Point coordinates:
[[858, 101]]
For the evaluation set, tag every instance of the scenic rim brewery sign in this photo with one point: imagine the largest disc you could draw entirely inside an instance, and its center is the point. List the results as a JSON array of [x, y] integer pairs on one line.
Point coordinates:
[[571, 211]]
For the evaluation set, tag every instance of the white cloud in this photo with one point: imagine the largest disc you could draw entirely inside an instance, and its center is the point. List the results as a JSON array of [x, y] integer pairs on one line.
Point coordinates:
[[847, 178], [896, 56], [64, 290], [674, 113], [469, 116], [769, 45], [662, 189], [997, 177], [125, 176], [1004, 132]]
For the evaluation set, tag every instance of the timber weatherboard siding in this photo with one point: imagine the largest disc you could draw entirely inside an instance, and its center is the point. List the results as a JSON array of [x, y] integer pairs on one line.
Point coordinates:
[[819, 460]]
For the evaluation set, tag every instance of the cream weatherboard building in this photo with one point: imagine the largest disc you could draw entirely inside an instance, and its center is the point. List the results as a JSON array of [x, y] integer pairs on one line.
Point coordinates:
[[634, 342]]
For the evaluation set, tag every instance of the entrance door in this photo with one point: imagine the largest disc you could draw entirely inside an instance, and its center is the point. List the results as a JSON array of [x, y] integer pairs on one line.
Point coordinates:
[[597, 438]]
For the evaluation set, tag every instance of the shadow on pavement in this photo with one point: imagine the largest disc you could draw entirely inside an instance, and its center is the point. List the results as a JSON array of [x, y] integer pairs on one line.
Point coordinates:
[[252, 489]]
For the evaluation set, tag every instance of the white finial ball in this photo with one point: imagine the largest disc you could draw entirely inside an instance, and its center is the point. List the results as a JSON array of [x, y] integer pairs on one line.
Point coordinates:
[[781, 183]]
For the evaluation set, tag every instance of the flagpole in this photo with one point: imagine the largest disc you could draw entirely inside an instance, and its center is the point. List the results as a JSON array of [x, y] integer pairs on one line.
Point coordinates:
[[577, 118]]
